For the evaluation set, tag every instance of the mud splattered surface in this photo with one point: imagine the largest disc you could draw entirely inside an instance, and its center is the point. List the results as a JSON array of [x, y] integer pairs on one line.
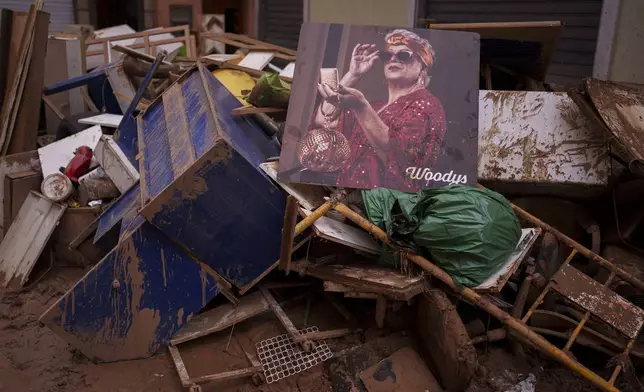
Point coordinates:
[[34, 359]]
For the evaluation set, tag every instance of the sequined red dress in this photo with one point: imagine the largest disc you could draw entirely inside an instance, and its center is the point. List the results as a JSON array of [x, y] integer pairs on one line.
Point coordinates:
[[416, 124]]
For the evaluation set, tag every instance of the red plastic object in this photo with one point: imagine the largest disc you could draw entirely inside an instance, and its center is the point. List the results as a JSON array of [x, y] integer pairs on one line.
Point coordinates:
[[79, 165]]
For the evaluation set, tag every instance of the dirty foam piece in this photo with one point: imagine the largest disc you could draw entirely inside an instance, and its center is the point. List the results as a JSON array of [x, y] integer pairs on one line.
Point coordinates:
[[281, 357]]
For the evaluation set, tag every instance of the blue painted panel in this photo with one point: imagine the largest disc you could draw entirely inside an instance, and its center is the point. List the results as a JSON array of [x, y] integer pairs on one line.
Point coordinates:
[[157, 164], [225, 212], [200, 119], [115, 212], [128, 139], [134, 300]]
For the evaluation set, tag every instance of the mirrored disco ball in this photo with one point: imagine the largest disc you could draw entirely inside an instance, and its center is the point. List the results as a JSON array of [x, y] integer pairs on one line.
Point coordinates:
[[324, 150]]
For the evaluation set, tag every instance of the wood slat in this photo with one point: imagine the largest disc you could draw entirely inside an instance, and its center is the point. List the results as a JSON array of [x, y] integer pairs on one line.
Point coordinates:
[[599, 300], [221, 317]]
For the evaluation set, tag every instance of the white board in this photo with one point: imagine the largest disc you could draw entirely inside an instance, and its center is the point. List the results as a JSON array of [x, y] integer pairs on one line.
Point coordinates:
[[58, 154], [498, 279], [289, 70], [257, 60], [27, 237], [540, 138], [333, 230], [106, 120]]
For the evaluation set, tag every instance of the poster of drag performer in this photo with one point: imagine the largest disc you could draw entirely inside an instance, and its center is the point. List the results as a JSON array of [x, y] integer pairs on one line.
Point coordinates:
[[382, 107]]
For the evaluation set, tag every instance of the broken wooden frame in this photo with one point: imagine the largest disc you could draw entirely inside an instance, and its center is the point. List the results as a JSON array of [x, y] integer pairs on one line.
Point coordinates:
[[251, 44], [226, 316], [149, 46], [515, 325]]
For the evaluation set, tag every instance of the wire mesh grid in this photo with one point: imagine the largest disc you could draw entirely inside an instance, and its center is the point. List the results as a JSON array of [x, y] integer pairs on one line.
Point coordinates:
[[281, 357]]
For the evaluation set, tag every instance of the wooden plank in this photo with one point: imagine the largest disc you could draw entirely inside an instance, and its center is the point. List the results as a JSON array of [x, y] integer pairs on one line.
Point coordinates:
[[106, 120], [367, 275], [243, 111], [279, 312], [16, 189], [13, 94], [180, 366], [381, 311], [23, 136], [333, 230], [221, 317], [13, 164], [257, 60], [310, 197], [288, 232], [231, 375], [53, 107], [84, 234], [27, 237], [599, 300], [45, 230], [330, 334]]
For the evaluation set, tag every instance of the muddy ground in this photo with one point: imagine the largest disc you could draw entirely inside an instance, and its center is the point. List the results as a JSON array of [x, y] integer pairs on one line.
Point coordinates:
[[34, 359]]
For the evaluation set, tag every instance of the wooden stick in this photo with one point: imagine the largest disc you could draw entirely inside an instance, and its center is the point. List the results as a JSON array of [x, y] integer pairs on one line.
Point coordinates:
[[13, 94], [231, 375], [331, 334], [288, 232], [53, 107], [255, 110], [180, 366]]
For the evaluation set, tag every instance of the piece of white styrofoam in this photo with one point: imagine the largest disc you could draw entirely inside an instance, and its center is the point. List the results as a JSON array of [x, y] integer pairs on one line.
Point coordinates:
[[105, 120], [58, 154]]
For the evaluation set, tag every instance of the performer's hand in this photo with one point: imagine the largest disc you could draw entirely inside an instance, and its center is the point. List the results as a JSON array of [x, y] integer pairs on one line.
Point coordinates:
[[344, 97], [363, 59]]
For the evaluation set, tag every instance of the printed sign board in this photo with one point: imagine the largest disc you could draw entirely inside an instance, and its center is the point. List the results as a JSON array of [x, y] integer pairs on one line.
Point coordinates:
[[382, 107]]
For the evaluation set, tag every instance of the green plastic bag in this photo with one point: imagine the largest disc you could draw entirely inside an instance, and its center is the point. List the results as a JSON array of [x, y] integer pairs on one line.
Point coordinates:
[[468, 232], [270, 91]]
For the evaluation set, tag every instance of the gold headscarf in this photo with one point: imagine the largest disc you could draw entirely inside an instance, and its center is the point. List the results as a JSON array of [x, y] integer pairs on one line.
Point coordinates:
[[415, 46]]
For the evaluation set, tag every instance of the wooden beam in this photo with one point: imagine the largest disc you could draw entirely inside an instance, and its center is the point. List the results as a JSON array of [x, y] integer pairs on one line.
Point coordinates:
[[381, 311], [331, 334], [231, 375], [254, 110], [288, 232], [53, 107], [180, 366]]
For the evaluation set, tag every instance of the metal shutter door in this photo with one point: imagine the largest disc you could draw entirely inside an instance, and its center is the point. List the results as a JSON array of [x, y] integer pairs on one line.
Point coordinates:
[[575, 51], [280, 21], [61, 11]]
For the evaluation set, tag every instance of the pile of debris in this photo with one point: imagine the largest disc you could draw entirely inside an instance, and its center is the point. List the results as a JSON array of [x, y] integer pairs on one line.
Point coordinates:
[[176, 177]]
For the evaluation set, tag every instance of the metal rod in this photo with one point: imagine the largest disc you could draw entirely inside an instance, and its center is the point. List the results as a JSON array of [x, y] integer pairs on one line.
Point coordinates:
[[485, 304], [584, 319], [144, 85], [546, 289], [619, 367], [319, 212], [581, 249]]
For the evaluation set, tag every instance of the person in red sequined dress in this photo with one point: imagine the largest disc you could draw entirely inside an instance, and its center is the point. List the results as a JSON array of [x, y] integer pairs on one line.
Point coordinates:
[[387, 137]]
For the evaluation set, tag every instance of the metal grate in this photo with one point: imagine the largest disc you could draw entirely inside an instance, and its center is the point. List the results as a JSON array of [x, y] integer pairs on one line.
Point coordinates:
[[282, 357]]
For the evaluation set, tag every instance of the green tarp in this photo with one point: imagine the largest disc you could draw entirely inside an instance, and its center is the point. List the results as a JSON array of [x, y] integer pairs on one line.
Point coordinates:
[[468, 232]]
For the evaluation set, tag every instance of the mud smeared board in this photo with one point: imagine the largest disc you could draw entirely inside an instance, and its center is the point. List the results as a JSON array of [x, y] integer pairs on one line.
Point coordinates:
[[134, 300], [201, 184], [117, 210], [598, 300], [538, 138]]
